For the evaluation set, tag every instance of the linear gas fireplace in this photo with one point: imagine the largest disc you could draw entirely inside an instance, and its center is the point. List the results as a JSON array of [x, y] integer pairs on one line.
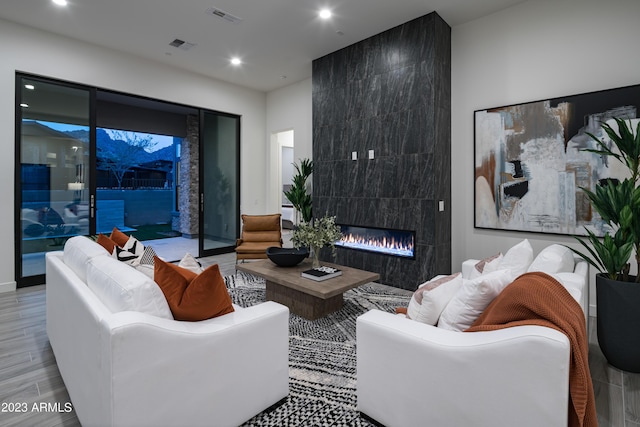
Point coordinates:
[[386, 241]]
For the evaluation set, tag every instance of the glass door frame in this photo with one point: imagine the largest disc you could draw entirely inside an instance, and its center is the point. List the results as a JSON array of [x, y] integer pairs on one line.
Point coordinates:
[[18, 243], [91, 182], [201, 185]]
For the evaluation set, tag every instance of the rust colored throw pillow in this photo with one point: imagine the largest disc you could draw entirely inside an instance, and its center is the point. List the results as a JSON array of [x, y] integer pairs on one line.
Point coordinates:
[[119, 237], [192, 296], [106, 243], [401, 310]]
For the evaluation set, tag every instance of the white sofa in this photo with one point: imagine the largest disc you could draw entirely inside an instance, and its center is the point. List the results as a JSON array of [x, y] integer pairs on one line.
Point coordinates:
[[410, 373], [124, 367]]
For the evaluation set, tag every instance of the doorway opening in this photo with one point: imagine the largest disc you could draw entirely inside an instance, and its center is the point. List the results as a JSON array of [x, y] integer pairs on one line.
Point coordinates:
[[284, 142]]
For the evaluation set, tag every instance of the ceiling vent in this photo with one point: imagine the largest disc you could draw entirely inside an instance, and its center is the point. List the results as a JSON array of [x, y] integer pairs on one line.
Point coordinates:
[[223, 15], [181, 44]]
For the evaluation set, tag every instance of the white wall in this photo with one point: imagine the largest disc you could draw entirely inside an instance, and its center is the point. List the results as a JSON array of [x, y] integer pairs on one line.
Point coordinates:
[[535, 50], [288, 108], [27, 50], [532, 51]]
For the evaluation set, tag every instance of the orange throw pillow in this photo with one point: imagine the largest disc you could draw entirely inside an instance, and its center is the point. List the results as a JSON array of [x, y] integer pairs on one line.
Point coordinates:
[[119, 237], [401, 310], [106, 243], [192, 296]]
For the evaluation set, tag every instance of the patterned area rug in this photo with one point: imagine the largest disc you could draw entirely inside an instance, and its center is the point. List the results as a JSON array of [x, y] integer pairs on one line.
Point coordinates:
[[322, 356]]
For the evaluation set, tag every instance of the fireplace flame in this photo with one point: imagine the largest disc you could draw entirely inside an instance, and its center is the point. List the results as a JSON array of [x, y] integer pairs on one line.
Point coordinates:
[[379, 243], [389, 242]]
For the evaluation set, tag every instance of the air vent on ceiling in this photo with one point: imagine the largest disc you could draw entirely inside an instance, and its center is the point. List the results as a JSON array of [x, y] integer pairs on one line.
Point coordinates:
[[181, 44], [223, 15]]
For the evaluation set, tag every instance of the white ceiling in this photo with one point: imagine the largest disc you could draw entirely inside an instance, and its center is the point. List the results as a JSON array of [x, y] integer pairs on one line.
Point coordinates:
[[276, 39]]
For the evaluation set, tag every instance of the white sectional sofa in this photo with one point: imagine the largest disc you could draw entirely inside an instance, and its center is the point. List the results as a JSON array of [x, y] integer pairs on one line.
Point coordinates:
[[411, 373], [126, 362]]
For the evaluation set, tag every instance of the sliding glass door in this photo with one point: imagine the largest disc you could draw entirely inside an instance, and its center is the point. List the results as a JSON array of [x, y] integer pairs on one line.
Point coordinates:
[[53, 140], [219, 183], [88, 160]]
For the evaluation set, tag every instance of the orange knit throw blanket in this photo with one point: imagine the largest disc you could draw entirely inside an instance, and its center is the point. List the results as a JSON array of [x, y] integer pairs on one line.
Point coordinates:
[[538, 299]]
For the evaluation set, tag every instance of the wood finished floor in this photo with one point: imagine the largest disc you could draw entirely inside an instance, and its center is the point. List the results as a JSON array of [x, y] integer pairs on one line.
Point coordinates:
[[29, 375]]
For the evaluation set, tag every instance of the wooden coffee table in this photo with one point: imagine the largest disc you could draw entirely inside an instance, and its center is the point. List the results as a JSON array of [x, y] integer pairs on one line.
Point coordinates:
[[305, 297]]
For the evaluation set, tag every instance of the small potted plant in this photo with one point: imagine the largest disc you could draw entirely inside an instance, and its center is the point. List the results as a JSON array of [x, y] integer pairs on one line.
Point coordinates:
[[618, 204], [315, 235]]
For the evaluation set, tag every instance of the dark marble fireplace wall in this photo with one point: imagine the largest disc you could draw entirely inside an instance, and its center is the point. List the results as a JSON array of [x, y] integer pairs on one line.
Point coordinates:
[[391, 94]]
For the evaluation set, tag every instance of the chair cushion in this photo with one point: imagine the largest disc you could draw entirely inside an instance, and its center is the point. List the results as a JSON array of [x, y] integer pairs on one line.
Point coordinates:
[[575, 284], [122, 288], [193, 297], [261, 236], [78, 251], [261, 228], [261, 222], [255, 247]]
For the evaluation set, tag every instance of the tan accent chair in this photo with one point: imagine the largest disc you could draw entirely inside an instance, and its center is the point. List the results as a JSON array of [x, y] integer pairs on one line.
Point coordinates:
[[258, 233]]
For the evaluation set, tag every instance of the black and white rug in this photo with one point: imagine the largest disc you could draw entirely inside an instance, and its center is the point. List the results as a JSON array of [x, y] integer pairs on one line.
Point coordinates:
[[322, 356]]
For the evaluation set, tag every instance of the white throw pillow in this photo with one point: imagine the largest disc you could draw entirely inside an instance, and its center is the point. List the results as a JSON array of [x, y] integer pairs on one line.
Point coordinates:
[[472, 298], [122, 288], [518, 259], [428, 301], [493, 265], [189, 262], [486, 265], [553, 259]]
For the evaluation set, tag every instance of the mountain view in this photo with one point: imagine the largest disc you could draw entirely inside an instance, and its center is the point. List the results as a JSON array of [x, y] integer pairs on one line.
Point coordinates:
[[106, 144]]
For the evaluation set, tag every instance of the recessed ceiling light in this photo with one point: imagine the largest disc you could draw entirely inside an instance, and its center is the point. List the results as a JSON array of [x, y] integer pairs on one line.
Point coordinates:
[[30, 87], [325, 14], [236, 61], [60, 2], [24, 105]]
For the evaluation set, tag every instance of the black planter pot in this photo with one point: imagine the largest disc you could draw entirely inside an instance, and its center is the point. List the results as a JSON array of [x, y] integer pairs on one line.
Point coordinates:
[[618, 308]]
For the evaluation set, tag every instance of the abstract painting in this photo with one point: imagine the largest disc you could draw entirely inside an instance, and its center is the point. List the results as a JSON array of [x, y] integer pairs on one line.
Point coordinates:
[[530, 163]]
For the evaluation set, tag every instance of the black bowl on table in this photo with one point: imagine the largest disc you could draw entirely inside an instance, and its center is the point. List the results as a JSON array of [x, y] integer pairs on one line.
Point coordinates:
[[286, 257]]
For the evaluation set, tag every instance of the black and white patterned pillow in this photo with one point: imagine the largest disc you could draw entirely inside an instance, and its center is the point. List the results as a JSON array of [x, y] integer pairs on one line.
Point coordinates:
[[147, 256], [132, 251], [124, 255]]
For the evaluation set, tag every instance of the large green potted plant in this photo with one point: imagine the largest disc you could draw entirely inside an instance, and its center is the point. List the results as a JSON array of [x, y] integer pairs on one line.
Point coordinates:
[[299, 194], [618, 204]]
